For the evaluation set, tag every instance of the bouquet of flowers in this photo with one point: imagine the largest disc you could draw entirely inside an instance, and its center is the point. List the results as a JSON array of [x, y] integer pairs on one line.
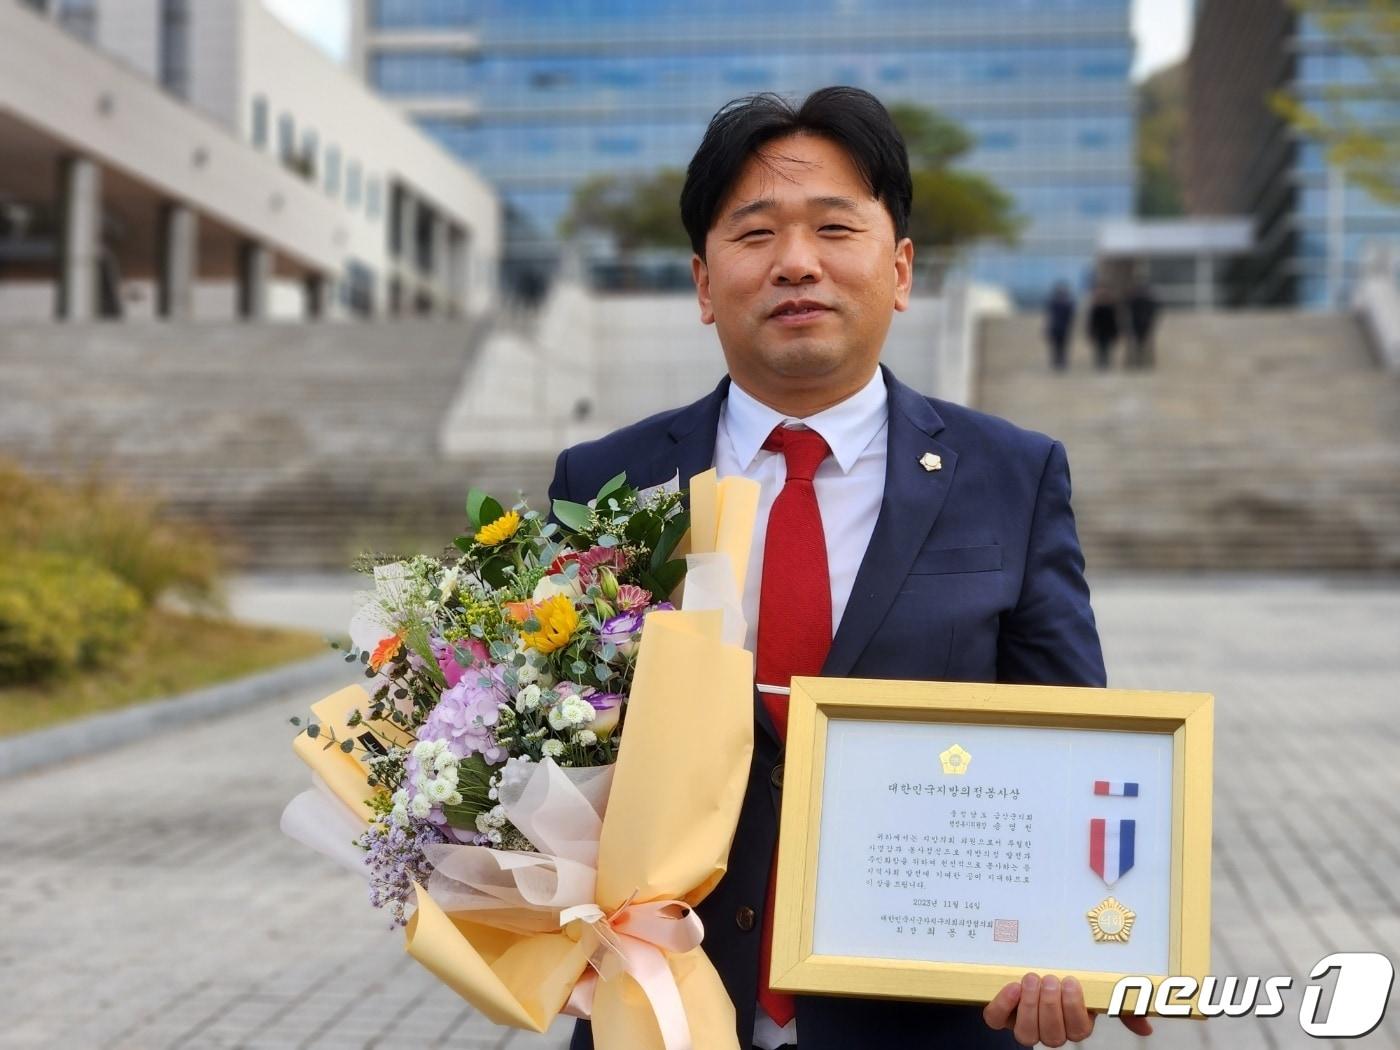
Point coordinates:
[[481, 783]]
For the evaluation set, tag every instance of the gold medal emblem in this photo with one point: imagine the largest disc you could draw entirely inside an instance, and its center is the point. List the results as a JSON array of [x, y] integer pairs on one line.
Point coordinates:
[[955, 760], [1111, 921]]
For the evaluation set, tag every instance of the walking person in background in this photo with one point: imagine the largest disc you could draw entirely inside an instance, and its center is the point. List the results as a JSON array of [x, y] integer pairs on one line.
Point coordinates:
[[1142, 319], [1059, 323], [1103, 326]]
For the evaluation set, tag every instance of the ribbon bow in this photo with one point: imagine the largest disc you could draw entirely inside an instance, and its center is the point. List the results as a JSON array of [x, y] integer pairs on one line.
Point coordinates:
[[634, 940]]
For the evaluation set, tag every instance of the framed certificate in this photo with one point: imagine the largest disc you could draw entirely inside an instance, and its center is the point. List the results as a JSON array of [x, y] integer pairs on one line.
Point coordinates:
[[940, 839]]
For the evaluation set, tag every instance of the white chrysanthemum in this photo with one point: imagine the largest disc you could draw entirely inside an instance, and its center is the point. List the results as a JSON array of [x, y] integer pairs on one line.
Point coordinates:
[[445, 763], [527, 674], [398, 816], [528, 698], [425, 751], [552, 749], [585, 737], [439, 790], [571, 711], [494, 817], [420, 806]]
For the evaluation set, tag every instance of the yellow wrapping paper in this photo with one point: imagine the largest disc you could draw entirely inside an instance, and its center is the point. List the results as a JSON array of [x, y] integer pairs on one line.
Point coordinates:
[[676, 794]]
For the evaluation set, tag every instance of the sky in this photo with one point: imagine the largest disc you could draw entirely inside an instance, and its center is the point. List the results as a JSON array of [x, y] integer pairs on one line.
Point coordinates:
[[1162, 28]]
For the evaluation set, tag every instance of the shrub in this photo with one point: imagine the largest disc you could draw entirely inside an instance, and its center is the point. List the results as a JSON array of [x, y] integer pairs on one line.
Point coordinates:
[[120, 532], [60, 614]]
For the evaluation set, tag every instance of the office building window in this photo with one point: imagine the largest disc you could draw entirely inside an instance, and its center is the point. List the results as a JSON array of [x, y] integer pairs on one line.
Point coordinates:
[[333, 170], [175, 47], [357, 288], [352, 185], [259, 129], [79, 17], [373, 201], [287, 139], [307, 162]]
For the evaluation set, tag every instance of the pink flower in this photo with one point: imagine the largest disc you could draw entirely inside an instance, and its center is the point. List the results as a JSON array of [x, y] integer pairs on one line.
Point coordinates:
[[589, 562], [450, 663], [631, 598]]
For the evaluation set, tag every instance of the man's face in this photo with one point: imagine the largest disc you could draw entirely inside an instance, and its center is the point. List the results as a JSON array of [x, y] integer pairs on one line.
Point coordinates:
[[802, 274]]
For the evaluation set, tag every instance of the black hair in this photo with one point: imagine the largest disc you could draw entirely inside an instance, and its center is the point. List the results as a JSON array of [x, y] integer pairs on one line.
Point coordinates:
[[852, 118]]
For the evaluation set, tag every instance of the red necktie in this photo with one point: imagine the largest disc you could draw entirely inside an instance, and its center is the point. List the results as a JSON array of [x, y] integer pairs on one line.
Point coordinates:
[[794, 623]]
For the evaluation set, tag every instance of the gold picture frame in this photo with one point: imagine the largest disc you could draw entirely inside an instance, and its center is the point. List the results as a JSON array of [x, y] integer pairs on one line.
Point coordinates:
[[815, 703]]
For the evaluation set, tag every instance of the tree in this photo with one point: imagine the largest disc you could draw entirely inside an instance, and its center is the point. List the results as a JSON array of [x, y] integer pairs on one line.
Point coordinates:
[[951, 208], [637, 211], [1366, 148], [1161, 105]]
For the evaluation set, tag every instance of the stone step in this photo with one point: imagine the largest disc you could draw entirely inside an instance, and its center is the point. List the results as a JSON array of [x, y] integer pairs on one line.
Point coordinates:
[[1263, 439]]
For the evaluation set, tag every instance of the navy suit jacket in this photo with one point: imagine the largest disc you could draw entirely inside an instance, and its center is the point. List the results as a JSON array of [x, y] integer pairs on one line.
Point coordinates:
[[974, 573]]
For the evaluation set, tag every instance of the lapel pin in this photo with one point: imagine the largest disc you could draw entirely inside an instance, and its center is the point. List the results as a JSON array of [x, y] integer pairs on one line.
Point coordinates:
[[931, 462]]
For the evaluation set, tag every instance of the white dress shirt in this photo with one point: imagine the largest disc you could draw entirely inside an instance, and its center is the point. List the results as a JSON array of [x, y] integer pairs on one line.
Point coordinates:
[[850, 484]]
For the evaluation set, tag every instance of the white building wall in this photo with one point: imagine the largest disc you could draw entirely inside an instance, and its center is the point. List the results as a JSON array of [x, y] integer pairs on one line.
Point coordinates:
[[298, 80], [124, 29], [104, 109], [240, 51], [629, 356], [216, 44]]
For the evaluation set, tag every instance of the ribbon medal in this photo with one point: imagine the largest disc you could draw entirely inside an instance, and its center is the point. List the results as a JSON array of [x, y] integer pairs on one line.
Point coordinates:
[[1111, 848]]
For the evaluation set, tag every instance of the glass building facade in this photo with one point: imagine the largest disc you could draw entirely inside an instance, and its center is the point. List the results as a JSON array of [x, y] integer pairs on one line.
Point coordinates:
[[1312, 225], [1333, 220], [560, 90]]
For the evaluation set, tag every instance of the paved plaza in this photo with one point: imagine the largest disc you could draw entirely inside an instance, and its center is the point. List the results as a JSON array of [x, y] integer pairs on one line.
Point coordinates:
[[150, 901]]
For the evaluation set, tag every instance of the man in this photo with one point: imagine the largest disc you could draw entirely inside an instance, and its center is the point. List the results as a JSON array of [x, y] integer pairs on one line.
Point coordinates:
[[1142, 319], [1103, 325], [1059, 323], [898, 536]]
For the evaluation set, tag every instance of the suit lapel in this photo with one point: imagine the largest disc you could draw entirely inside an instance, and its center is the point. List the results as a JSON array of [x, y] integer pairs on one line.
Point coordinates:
[[691, 446], [913, 498]]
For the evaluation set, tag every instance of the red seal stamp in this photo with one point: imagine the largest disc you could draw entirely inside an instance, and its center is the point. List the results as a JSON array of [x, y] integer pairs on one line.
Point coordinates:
[[1007, 930]]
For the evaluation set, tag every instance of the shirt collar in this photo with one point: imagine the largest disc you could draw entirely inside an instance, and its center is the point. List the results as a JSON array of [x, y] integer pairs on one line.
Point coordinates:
[[848, 426]]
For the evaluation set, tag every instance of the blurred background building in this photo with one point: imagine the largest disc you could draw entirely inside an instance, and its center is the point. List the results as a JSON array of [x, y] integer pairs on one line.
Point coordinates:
[[541, 96], [202, 160], [1311, 222]]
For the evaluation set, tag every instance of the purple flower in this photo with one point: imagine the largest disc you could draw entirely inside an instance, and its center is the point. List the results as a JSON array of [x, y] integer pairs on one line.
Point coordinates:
[[394, 856], [466, 715], [621, 631], [609, 709]]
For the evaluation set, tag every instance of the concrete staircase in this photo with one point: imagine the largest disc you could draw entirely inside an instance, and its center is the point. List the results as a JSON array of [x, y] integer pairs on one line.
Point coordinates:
[[298, 445], [1262, 440]]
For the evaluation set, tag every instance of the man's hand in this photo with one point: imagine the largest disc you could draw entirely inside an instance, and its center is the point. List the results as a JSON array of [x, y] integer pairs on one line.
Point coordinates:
[[1047, 1010]]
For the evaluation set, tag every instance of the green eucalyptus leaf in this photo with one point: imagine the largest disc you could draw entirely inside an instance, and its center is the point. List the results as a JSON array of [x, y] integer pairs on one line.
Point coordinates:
[[575, 516], [611, 488]]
